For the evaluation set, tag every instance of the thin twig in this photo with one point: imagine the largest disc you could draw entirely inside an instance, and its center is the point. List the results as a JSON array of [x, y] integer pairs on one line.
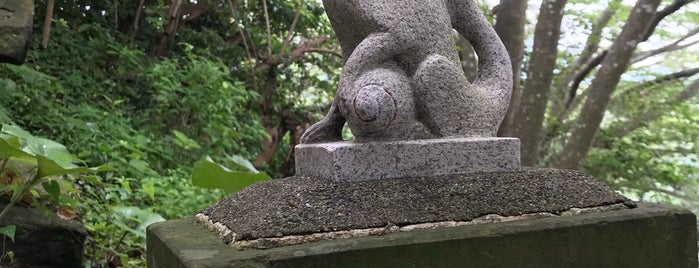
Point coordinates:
[[7, 208], [326, 51], [137, 18], [674, 46], [593, 63], [292, 28], [269, 30], [247, 48]]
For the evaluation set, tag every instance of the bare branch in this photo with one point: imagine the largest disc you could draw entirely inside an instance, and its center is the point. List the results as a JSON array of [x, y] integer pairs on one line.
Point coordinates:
[[292, 28], [247, 48], [591, 46], [662, 79], [305, 46], [671, 8], [325, 51], [313, 45], [605, 82], [674, 46], [195, 10], [269, 29], [137, 18], [592, 64], [580, 76]]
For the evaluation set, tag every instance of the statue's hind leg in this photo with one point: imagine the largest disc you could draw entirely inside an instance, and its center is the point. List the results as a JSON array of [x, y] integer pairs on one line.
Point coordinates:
[[328, 129], [445, 102]]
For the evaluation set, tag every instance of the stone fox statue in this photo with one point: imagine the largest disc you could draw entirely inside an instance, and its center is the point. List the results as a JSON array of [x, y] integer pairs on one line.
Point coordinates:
[[402, 78]]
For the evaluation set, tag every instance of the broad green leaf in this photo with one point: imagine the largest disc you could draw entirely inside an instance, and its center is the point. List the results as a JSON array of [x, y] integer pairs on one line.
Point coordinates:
[[208, 174], [49, 167], [9, 150], [16, 131], [243, 163], [135, 219], [9, 231], [53, 190], [40, 146], [13, 141]]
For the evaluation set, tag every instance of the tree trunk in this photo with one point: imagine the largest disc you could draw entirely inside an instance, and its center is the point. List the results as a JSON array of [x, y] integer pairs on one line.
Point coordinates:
[[296, 129], [173, 20], [511, 19], [46, 33], [614, 65], [137, 18], [530, 115], [564, 97], [274, 129], [597, 60]]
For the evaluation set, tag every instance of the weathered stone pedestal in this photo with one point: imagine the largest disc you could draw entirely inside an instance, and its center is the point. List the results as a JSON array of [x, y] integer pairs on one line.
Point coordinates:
[[521, 218], [647, 236], [350, 161]]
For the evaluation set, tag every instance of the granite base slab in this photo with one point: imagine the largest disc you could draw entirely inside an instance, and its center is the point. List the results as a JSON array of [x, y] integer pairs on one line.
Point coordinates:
[[648, 236], [309, 205], [350, 161]]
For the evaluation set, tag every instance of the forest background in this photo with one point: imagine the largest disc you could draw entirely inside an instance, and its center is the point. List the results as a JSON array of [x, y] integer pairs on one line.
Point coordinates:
[[151, 87]]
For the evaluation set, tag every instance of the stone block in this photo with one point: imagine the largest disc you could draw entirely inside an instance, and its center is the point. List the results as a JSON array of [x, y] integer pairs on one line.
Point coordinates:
[[311, 205], [648, 236], [350, 161], [41, 240], [16, 20]]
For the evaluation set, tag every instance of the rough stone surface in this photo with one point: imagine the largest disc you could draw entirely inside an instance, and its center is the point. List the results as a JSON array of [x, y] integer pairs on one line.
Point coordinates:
[[267, 243], [350, 161], [42, 241], [16, 18], [402, 78], [649, 236], [307, 205]]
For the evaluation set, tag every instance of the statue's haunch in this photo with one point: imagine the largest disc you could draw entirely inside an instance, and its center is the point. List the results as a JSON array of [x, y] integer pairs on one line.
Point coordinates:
[[402, 78], [378, 106]]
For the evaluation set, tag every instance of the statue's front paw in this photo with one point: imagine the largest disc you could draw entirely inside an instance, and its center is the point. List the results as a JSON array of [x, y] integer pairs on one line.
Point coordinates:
[[321, 132]]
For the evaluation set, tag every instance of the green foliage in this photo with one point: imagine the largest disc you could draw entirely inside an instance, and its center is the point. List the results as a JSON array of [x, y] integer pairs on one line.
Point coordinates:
[[209, 174], [34, 168], [134, 219], [116, 211], [9, 232], [98, 89]]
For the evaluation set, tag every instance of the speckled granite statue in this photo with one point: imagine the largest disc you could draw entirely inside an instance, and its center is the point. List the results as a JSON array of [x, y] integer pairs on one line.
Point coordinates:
[[402, 78], [405, 97]]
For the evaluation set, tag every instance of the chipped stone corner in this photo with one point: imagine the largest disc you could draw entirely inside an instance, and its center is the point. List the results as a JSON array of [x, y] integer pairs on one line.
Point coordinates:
[[219, 228], [273, 242]]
